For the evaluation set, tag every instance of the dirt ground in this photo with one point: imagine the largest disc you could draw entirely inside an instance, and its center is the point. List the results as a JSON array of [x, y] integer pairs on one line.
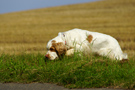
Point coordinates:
[[40, 86]]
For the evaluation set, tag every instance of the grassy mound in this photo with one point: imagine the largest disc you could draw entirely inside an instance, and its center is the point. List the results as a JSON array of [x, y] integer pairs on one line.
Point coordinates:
[[71, 72]]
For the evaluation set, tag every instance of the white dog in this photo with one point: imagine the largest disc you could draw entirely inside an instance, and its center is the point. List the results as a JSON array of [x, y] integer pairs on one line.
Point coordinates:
[[77, 40]]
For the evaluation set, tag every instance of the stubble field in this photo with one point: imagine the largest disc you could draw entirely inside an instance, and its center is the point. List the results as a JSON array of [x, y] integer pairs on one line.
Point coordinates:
[[29, 31]]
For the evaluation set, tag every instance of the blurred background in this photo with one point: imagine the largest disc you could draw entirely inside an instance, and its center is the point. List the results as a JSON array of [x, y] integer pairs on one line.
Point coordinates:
[[27, 26]]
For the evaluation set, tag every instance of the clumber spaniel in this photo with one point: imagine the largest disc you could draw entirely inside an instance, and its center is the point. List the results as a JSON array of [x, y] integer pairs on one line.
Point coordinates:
[[77, 40]]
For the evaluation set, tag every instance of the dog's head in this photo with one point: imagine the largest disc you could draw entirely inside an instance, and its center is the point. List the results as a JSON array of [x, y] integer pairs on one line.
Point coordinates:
[[55, 50]]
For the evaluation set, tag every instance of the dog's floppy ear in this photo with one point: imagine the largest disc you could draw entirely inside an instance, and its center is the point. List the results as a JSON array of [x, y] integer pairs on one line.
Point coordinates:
[[60, 48]]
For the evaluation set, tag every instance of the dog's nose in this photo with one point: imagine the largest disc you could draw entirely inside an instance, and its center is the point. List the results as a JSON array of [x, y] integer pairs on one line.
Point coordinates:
[[47, 55]]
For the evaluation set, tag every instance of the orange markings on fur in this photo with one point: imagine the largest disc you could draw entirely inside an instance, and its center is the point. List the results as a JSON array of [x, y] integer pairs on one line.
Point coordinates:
[[53, 41], [89, 38], [52, 49], [60, 48]]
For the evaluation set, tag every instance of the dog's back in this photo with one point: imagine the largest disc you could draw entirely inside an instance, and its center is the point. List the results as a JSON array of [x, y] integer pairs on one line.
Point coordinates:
[[102, 44]]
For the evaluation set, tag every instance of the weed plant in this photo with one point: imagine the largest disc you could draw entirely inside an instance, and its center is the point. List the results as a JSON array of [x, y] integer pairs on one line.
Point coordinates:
[[71, 72]]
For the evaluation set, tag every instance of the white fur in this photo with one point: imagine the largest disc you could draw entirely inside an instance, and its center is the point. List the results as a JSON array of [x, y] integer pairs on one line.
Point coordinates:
[[101, 44]]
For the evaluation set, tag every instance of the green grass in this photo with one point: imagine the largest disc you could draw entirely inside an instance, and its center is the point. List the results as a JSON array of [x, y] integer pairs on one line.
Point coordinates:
[[33, 29], [71, 72]]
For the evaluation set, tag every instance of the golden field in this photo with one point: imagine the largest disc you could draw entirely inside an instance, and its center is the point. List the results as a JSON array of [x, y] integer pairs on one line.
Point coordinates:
[[29, 31]]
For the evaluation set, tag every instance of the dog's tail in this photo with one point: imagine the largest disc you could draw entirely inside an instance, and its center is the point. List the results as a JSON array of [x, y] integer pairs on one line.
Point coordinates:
[[125, 56]]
